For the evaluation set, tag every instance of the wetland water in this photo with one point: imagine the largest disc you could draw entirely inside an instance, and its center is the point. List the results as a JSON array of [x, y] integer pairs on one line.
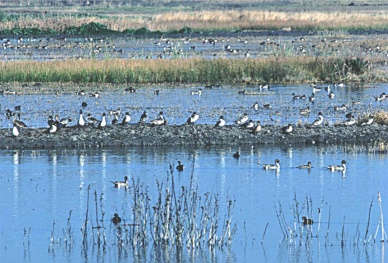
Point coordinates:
[[39, 187]]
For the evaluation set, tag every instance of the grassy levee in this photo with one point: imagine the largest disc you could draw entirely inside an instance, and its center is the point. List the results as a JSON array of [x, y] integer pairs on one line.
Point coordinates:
[[193, 70]]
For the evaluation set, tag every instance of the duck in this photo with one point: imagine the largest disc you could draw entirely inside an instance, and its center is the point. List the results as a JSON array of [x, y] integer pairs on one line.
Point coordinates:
[[81, 121], [115, 119], [143, 117], [287, 129], [15, 131], [297, 97], [305, 166], [368, 121], [267, 106], [340, 108], [316, 89], [312, 98], [243, 119], [64, 121], [119, 184], [257, 128], [264, 87], [91, 120], [249, 125], [350, 121], [220, 123], [156, 92], [236, 155], [318, 121], [275, 166], [95, 94], [126, 119], [115, 112], [50, 120], [381, 97], [305, 111], [159, 121], [102, 123], [331, 95], [307, 221], [340, 85], [180, 167], [196, 92], [193, 118], [53, 129], [255, 106], [341, 167], [116, 219], [81, 93]]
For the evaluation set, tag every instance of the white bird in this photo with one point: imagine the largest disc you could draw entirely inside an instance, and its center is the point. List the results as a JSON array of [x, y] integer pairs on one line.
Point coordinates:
[[275, 166], [243, 119], [159, 121], [193, 118], [220, 123], [15, 130], [341, 167], [102, 123], [318, 121], [126, 119], [81, 121]]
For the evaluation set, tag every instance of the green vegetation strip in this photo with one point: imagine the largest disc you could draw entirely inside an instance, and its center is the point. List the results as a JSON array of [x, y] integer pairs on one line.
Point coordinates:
[[196, 70]]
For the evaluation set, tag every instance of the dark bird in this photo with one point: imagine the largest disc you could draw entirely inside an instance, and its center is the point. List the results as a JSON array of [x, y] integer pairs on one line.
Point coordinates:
[[236, 155], [143, 117], [180, 166], [116, 219]]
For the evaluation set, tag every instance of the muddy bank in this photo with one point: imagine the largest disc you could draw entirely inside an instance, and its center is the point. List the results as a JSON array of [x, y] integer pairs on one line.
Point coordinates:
[[195, 135]]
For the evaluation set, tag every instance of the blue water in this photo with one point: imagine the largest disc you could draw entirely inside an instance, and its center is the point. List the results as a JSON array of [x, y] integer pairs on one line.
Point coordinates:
[[38, 189]]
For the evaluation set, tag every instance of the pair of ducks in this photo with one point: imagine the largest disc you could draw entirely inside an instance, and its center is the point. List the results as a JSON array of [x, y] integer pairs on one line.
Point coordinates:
[[332, 168]]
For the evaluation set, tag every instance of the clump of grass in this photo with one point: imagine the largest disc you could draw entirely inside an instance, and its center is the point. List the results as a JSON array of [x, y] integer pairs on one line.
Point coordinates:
[[381, 117]]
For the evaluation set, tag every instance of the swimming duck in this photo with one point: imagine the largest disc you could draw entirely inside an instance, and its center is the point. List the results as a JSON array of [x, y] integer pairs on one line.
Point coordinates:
[[318, 121], [143, 117], [95, 94], [312, 98], [180, 166], [81, 121], [381, 97], [297, 97], [126, 119], [340, 108], [305, 111], [64, 121], [116, 219], [102, 123], [267, 106], [196, 92], [257, 129], [316, 89], [340, 85], [341, 167], [236, 155], [307, 221], [194, 117], [115, 112], [256, 106], [275, 166], [331, 95], [264, 87], [287, 129], [159, 120], [81, 93], [220, 123], [243, 119], [307, 166], [119, 184]]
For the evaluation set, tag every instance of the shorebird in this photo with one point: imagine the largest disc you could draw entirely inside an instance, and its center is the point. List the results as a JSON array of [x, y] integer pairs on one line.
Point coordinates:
[[275, 166], [119, 184]]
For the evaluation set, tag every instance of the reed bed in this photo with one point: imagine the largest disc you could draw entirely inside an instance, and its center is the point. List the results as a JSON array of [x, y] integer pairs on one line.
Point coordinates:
[[245, 19], [178, 218], [195, 70]]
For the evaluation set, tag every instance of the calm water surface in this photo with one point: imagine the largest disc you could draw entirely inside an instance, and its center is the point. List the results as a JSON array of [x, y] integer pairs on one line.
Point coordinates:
[[39, 188]]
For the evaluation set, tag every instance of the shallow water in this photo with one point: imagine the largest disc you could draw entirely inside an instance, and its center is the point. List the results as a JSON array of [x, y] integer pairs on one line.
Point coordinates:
[[177, 104], [38, 188]]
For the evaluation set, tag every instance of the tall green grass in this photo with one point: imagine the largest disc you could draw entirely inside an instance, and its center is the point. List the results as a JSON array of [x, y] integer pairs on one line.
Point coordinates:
[[194, 70]]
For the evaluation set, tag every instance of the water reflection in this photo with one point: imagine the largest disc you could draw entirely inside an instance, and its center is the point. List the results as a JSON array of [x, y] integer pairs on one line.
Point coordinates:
[[67, 174]]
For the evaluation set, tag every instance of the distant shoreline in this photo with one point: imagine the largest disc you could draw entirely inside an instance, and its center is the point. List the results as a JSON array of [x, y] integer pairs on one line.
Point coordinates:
[[187, 135]]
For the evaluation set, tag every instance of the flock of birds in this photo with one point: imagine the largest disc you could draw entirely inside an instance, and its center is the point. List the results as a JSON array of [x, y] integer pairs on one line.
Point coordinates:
[[244, 122]]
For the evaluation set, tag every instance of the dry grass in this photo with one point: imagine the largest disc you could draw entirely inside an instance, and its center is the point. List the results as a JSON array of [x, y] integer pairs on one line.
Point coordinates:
[[381, 117], [210, 20]]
